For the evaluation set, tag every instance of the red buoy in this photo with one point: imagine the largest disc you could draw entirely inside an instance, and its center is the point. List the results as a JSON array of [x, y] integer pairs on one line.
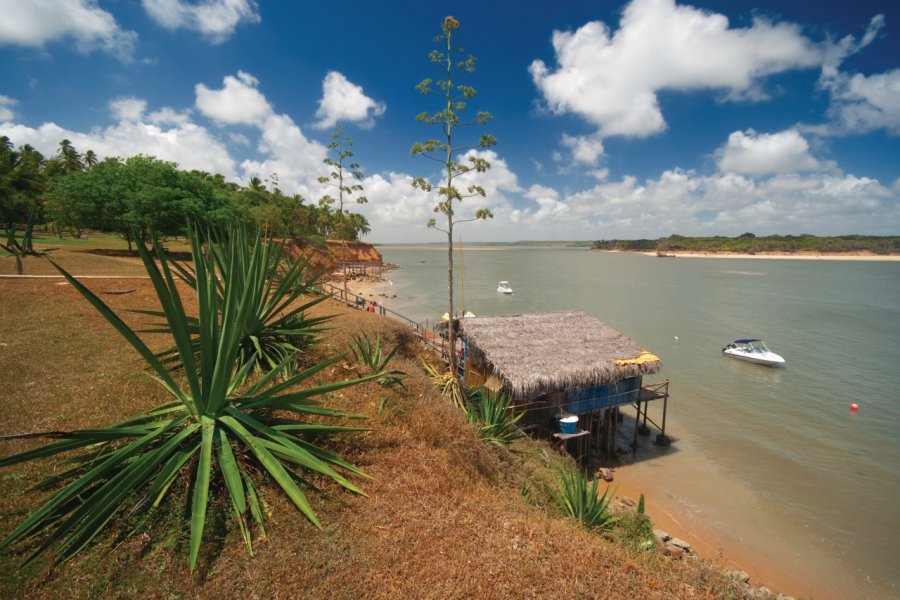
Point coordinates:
[[854, 407]]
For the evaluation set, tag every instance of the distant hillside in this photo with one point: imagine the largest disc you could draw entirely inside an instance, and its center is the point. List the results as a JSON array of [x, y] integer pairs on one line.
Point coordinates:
[[750, 244]]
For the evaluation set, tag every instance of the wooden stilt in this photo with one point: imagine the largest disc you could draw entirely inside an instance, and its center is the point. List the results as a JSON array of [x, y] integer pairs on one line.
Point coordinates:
[[637, 419]]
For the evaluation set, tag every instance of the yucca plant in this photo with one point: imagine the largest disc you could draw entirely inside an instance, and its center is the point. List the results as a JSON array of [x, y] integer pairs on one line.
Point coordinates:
[[218, 431], [370, 354], [578, 498], [277, 327], [498, 424]]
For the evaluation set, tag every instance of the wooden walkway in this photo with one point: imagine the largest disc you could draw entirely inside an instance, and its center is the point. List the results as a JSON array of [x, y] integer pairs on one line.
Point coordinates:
[[428, 335]]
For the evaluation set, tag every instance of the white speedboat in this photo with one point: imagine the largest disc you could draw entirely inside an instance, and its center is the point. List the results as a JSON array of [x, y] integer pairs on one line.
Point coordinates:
[[753, 351], [504, 288]]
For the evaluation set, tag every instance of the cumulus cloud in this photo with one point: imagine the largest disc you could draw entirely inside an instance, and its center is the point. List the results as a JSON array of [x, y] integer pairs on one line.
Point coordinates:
[[676, 201], [296, 159], [215, 19], [496, 181], [396, 210], [612, 79], [682, 201], [585, 149], [287, 152], [188, 144], [399, 212], [345, 101], [168, 115], [237, 102], [549, 206], [861, 103], [6, 111], [36, 22], [128, 109], [753, 153]]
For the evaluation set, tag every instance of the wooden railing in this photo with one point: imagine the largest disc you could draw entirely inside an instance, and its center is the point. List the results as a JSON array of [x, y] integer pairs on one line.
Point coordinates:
[[429, 335]]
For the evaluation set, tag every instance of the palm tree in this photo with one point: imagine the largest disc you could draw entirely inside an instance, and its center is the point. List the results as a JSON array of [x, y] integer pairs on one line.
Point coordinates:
[[21, 183], [70, 158], [90, 159], [256, 184]]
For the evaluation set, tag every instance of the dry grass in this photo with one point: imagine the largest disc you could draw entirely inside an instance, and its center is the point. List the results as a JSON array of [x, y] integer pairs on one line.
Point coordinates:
[[444, 516]]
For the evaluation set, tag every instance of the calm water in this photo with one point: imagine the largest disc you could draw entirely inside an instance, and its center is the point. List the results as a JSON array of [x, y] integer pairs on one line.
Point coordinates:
[[773, 456]]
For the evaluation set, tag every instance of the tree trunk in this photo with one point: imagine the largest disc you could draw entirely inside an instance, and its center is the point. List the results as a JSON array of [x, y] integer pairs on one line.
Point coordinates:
[[451, 334]]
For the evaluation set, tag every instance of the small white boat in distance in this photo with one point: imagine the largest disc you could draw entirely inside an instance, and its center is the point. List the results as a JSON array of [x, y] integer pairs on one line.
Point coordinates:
[[753, 351], [504, 288]]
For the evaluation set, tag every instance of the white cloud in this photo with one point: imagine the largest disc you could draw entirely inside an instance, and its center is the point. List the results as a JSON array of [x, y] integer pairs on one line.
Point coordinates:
[[128, 109], [585, 149], [296, 159], [496, 180], [399, 212], [6, 111], [345, 101], [680, 201], [36, 22], [753, 153], [612, 79], [215, 19], [237, 102], [188, 144], [168, 115], [396, 210], [861, 103], [677, 201], [549, 206]]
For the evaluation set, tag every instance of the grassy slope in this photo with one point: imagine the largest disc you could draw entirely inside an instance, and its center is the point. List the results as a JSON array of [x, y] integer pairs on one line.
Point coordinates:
[[444, 516]]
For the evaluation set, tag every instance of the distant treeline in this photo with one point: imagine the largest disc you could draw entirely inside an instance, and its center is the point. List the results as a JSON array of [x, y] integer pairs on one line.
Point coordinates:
[[749, 243], [141, 196]]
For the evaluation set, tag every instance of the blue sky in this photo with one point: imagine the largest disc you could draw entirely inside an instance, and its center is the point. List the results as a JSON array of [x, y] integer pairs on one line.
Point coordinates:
[[614, 120]]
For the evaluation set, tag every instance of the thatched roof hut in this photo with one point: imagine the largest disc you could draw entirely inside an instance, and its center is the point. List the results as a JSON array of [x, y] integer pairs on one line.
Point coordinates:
[[542, 353]]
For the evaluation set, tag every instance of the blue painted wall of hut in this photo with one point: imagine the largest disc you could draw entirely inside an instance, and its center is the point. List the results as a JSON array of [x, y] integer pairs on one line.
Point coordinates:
[[625, 391]]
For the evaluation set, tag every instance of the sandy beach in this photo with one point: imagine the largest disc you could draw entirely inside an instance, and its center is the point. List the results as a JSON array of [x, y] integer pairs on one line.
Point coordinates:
[[778, 256]]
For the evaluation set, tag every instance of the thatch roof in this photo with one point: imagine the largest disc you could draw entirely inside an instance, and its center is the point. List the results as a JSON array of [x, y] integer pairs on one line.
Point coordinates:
[[540, 353]]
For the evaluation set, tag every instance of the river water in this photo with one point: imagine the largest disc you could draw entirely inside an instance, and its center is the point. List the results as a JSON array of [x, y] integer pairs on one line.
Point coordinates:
[[770, 458]]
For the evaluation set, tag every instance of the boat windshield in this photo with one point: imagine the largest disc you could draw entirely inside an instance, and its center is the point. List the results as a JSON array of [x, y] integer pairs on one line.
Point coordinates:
[[757, 346]]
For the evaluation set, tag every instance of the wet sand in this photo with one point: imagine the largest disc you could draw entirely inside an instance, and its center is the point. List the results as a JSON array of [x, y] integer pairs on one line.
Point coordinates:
[[724, 543]]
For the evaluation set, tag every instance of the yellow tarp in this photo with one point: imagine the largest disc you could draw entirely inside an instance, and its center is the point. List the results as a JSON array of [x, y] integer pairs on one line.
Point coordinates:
[[644, 356]]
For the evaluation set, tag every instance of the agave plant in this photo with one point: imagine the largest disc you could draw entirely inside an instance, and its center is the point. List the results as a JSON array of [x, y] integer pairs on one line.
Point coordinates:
[[579, 499], [370, 353], [498, 424], [217, 431], [448, 384], [277, 327]]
